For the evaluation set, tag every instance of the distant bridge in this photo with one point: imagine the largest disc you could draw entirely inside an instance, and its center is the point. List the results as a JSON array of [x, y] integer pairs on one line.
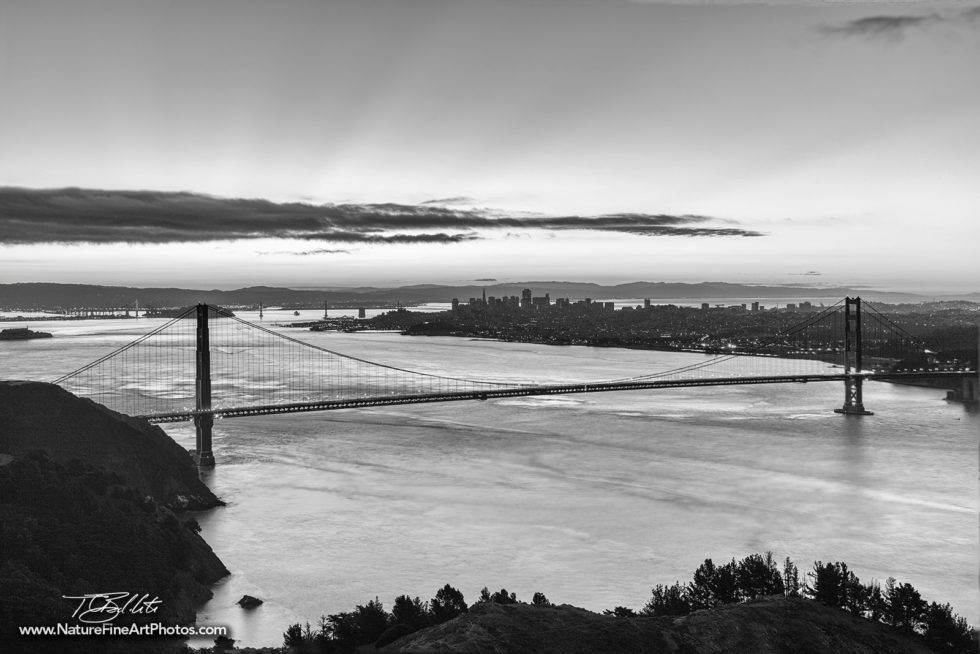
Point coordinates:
[[207, 363]]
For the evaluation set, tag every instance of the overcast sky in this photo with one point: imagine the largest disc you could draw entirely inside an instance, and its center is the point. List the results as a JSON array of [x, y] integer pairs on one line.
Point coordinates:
[[224, 143]]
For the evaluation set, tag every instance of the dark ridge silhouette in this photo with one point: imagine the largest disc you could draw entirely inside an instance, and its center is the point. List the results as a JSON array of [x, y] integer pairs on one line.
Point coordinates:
[[38, 416]]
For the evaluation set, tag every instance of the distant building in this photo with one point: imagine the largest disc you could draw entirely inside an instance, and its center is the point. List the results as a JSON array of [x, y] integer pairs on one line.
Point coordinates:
[[362, 313], [455, 304], [541, 302], [526, 298], [755, 306], [704, 306], [609, 306], [646, 303]]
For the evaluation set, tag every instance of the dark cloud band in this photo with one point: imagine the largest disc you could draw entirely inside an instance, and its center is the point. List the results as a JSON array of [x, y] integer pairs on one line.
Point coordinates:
[[97, 216], [881, 25], [892, 27]]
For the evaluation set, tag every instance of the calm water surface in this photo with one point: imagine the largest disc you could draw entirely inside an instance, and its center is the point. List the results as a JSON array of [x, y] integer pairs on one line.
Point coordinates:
[[591, 499]]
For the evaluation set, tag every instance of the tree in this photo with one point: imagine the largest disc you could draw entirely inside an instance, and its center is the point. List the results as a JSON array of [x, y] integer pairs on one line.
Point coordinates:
[[539, 599], [904, 606], [410, 611], [668, 600], [757, 576], [293, 636], [372, 620], [713, 585], [621, 612], [947, 631], [503, 597], [856, 595], [447, 604], [322, 640], [726, 584], [832, 583], [297, 638], [700, 591], [791, 578], [875, 605], [343, 630]]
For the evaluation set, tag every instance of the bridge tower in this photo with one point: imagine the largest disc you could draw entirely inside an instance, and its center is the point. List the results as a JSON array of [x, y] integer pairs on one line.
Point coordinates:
[[203, 422], [853, 382]]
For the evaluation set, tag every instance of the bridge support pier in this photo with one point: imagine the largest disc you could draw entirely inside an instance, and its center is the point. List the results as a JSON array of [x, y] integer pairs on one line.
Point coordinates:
[[968, 393], [853, 384], [854, 398], [202, 452], [971, 390]]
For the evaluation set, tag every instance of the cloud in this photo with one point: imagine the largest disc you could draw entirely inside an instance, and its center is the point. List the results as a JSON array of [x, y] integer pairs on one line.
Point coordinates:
[[304, 253], [882, 25], [340, 236], [461, 199], [895, 27], [75, 215]]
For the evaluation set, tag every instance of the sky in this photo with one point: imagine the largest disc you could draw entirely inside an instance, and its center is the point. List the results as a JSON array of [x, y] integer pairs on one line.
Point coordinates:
[[229, 143]]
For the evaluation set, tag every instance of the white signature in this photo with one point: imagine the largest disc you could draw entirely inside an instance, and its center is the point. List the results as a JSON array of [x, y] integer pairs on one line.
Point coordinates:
[[99, 608]]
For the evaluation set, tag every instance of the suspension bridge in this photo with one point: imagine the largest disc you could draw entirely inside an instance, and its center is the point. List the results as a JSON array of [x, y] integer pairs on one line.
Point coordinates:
[[208, 363]]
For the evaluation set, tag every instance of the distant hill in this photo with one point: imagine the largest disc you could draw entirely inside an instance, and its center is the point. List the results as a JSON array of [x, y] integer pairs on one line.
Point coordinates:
[[778, 625], [965, 297], [51, 296]]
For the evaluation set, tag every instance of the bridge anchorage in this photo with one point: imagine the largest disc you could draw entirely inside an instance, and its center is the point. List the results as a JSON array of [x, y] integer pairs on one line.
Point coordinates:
[[207, 363]]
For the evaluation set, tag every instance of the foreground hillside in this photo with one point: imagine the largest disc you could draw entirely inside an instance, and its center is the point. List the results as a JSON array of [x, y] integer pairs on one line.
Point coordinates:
[[91, 502], [767, 626], [37, 416]]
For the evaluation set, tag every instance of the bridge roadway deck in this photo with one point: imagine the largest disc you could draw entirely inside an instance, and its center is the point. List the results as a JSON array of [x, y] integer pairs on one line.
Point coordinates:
[[523, 391]]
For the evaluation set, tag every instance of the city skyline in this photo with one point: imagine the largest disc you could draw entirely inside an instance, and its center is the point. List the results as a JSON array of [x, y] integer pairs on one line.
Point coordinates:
[[390, 143]]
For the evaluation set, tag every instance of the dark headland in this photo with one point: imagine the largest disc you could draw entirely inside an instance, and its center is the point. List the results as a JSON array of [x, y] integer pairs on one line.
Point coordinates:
[[37, 416], [92, 501]]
